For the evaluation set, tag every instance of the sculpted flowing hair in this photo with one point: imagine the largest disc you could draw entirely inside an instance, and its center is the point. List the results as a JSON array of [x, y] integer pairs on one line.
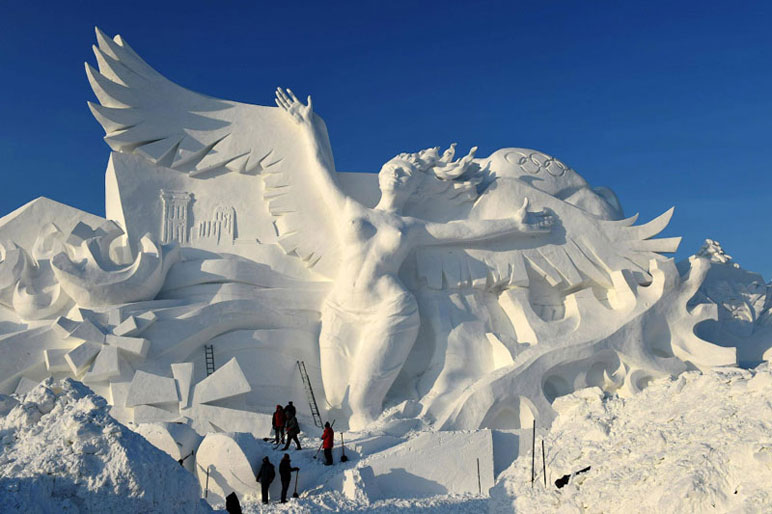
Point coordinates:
[[442, 179]]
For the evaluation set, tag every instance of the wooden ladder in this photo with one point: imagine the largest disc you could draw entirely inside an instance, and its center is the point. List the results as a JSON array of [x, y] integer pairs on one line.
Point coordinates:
[[209, 355], [310, 394]]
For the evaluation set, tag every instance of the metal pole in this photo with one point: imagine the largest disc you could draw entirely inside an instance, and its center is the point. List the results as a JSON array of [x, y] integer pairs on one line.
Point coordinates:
[[533, 453], [479, 484], [206, 493], [543, 463]]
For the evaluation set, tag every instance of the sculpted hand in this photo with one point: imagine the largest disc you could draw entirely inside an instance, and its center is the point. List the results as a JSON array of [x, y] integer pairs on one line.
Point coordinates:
[[287, 101], [533, 222]]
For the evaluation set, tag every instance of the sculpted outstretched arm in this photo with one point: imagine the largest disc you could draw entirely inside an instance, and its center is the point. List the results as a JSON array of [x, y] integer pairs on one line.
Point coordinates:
[[322, 166], [523, 222]]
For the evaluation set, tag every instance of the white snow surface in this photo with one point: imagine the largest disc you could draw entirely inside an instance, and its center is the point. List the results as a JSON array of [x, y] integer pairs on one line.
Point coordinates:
[[701, 442], [60, 451]]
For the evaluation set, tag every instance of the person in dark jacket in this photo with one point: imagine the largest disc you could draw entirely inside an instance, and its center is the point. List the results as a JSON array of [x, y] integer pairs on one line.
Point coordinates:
[[328, 441], [293, 429], [232, 505], [265, 476], [278, 424], [289, 411], [285, 473]]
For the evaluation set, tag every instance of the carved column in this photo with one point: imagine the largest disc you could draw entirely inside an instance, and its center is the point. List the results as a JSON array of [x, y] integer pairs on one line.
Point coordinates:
[[174, 220]]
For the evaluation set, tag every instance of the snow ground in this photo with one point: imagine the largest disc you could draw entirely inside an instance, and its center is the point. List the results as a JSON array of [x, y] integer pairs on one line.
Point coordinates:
[[696, 443], [701, 442], [336, 502], [61, 452]]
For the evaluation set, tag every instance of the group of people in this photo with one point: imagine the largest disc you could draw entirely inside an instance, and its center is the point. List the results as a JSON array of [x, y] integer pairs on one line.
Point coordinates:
[[267, 473], [284, 421], [286, 428]]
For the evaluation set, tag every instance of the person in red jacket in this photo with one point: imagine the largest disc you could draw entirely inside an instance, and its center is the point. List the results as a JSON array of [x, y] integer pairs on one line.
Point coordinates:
[[328, 441], [278, 424]]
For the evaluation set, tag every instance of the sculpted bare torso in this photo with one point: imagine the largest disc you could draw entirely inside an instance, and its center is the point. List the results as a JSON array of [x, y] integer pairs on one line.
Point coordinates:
[[370, 320]]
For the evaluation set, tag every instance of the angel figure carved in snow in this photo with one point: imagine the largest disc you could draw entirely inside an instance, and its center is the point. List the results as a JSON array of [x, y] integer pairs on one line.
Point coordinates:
[[370, 320]]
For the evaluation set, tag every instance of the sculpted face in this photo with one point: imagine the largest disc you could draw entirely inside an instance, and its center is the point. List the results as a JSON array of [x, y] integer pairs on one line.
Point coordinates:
[[397, 176]]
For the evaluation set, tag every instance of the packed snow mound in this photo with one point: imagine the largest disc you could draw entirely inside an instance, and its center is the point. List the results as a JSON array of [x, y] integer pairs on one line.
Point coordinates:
[[62, 452], [713, 251], [743, 306], [695, 443]]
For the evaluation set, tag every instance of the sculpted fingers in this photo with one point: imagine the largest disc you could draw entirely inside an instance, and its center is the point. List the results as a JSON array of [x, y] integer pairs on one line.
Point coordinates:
[[521, 212], [545, 220], [281, 99]]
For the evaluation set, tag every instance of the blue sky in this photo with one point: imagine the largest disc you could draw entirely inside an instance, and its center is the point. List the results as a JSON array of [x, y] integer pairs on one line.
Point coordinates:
[[667, 103]]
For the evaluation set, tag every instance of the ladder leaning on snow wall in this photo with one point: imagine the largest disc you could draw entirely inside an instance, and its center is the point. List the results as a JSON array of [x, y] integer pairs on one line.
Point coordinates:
[[310, 394]]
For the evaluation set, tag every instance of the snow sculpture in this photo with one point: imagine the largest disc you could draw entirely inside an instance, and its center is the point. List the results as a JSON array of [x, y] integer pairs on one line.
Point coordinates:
[[153, 398], [178, 440], [231, 461], [370, 320], [88, 267], [743, 303], [478, 288], [174, 225]]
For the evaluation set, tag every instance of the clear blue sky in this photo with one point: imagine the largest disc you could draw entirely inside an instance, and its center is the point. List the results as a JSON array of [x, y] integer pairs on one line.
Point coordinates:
[[668, 103]]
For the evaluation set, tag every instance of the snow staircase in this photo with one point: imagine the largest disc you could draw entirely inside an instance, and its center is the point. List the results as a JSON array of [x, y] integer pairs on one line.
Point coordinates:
[[209, 355], [310, 394]]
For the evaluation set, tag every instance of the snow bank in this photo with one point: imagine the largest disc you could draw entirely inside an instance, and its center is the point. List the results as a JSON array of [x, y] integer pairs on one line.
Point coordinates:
[[696, 443], [60, 451], [431, 464]]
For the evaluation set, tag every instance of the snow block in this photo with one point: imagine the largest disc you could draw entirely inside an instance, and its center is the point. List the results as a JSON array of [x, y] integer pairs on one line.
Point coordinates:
[[226, 382], [127, 327], [233, 460], [87, 331], [55, 361], [106, 366], [25, 385], [183, 374], [434, 463], [133, 345], [63, 327], [212, 418], [135, 325], [148, 317], [371, 445], [508, 445], [359, 484], [117, 392], [151, 414], [81, 356], [176, 439], [147, 388]]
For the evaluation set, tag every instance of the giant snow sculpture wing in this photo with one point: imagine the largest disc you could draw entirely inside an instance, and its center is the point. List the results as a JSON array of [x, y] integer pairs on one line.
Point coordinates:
[[582, 251], [145, 114]]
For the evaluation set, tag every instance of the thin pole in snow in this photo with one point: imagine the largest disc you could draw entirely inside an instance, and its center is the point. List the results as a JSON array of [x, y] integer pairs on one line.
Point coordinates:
[[206, 493], [479, 484], [543, 463], [533, 453]]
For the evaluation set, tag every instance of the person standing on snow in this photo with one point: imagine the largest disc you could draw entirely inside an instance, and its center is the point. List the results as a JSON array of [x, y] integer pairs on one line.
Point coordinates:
[[328, 441], [285, 473], [293, 429], [289, 411], [278, 424], [265, 476], [232, 505]]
